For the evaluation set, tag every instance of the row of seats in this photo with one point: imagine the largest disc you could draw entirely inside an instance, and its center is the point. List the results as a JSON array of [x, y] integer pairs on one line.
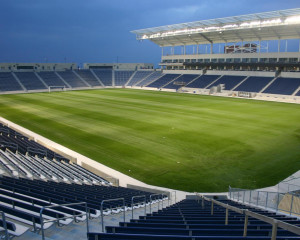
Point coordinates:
[[31, 180], [153, 79], [188, 220]]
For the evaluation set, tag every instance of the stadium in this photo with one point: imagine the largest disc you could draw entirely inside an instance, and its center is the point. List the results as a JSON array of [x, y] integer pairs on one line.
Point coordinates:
[[204, 147]]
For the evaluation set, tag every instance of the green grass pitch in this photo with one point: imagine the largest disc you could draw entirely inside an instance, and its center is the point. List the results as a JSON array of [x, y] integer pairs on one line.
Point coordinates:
[[180, 141]]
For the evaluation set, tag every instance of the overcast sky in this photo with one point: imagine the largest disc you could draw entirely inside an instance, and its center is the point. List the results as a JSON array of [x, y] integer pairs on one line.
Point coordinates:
[[99, 30]]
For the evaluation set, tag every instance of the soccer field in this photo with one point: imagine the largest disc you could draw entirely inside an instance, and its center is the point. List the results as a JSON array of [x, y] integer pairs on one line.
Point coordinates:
[[180, 141]]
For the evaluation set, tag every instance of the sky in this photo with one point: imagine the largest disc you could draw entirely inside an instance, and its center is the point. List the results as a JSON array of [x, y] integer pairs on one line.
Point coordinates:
[[83, 31]]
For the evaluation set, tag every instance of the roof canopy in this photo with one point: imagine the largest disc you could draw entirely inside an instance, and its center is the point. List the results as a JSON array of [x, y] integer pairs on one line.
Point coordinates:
[[283, 24]]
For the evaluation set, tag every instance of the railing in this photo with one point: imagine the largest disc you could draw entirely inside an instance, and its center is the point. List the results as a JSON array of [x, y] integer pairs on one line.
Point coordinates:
[[153, 195], [134, 197], [4, 225], [288, 203], [274, 222], [111, 200], [57, 219]]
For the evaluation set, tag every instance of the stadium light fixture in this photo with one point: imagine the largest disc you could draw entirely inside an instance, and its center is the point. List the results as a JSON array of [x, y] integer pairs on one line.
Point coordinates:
[[252, 24]]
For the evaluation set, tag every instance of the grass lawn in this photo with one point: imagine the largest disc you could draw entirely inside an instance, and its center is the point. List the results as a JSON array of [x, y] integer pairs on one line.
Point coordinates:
[[181, 141]]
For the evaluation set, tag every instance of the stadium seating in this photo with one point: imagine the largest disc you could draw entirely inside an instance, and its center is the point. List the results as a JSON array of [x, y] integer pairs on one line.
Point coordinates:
[[165, 79], [9, 83], [105, 75], [149, 79], [73, 80], [51, 79], [183, 79], [138, 76], [122, 77], [188, 220], [285, 86], [30, 81], [88, 77], [203, 81], [229, 81], [254, 84]]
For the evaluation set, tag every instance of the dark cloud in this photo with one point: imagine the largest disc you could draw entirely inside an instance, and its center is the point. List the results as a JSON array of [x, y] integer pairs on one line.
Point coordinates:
[[99, 30]]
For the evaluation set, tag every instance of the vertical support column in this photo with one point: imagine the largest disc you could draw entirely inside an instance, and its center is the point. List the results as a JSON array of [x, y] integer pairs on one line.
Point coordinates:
[[278, 46], [212, 208], [292, 201], [274, 230], [162, 51], [226, 217], [257, 198], [245, 226], [198, 48], [267, 199], [286, 45], [267, 46], [211, 48], [259, 49], [184, 49]]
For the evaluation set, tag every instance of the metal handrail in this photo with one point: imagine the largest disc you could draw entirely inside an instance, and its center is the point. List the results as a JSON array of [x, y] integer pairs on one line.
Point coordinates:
[[274, 222], [4, 225], [57, 219], [111, 200], [152, 195], [139, 196]]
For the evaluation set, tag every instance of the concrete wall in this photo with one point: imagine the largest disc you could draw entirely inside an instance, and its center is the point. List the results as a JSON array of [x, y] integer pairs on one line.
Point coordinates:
[[242, 73], [8, 67], [290, 74], [235, 55], [121, 66]]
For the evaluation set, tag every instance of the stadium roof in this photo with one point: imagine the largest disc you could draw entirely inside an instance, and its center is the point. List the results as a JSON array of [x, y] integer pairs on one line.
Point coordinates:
[[283, 24]]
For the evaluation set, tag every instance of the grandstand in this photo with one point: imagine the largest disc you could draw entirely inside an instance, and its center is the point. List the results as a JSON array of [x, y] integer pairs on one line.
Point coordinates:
[[44, 188]]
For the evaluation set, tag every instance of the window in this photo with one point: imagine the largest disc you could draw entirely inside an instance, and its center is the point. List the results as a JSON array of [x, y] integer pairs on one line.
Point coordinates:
[[283, 60], [236, 60]]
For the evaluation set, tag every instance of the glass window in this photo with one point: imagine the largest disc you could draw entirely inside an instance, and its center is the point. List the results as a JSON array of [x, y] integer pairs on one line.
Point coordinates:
[[236, 60]]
